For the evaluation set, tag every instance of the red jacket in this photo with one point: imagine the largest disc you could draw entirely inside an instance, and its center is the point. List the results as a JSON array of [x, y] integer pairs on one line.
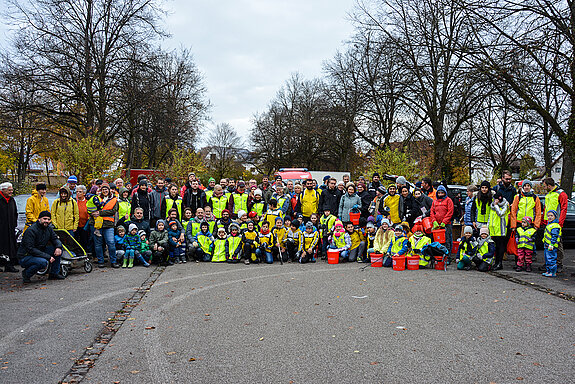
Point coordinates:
[[442, 210]]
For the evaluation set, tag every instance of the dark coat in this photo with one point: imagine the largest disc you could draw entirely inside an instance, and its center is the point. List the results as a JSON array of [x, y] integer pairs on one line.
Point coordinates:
[[329, 198], [145, 201], [194, 201], [36, 239], [8, 223], [365, 202]]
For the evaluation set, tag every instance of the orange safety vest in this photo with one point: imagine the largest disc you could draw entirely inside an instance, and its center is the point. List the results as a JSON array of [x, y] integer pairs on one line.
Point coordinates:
[[108, 206]]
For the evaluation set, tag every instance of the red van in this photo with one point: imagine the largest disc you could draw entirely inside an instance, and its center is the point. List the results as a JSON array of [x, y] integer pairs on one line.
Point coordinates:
[[297, 175]]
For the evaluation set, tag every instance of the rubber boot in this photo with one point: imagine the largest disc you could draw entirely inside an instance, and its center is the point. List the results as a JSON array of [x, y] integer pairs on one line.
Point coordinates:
[[131, 263], [125, 263]]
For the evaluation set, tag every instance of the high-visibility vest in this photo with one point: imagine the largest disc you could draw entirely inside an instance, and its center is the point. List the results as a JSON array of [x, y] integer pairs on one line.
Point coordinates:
[[219, 250], [398, 244], [218, 205], [329, 222], [339, 241], [418, 244], [205, 242], [483, 250], [185, 224], [124, 208], [280, 234], [547, 237], [272, 215], [233, 243], [195, 228], [170, 204], [526, 207], [525, 238], [281, 201], [498, 225], [240, 202], [258, 207], [482, 218], [309, 200], [552, 202], [91, 207], [209, 194]]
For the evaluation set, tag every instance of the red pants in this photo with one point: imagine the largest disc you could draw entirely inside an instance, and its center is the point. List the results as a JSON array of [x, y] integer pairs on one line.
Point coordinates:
[[524, 256]]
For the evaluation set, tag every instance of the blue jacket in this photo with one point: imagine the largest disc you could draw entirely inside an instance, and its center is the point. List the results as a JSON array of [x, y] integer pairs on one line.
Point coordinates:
[[119, 242], [173, 234], [467, 219]]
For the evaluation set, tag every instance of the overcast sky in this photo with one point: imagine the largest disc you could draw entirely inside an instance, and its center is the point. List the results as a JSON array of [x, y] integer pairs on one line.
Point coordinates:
[[247, 49]]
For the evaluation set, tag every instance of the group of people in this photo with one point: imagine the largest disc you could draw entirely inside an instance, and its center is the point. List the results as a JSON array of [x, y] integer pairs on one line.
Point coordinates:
[[287, 221]]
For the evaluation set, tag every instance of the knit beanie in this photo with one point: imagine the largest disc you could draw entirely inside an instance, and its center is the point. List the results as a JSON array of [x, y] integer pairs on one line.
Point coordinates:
[[467, 229], [483, 230], [131, 227]]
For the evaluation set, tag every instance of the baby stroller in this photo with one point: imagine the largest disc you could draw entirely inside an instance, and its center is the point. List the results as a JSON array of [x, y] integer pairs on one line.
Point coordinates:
[[438, 254], [73, 255]]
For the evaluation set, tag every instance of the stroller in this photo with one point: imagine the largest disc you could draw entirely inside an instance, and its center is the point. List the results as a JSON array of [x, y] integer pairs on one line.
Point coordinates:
[[438, 253], [73, 255]]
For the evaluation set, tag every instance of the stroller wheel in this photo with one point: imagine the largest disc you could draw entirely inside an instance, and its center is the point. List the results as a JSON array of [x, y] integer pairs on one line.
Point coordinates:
[[88, 266], [64, 270]]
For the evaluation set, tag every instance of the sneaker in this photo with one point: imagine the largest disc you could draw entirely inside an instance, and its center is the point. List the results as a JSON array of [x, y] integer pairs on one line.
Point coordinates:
[[197, 261], [25, 278], [115, 265], [518, 269], [548, 274], [184, 261], [146, 265], [246, 261], [170, 262], [101, 265], [528, 268]]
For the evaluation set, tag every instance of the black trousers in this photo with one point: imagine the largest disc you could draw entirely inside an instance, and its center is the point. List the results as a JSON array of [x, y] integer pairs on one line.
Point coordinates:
[[500, 248]]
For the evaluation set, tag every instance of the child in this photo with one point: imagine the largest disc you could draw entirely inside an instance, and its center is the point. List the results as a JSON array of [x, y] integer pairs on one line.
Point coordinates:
[[176, 247], [465, 252], [326, 224], [124, 206], [418, 242], [525, 244], [144, 248], [398, 246], [242, 220], [310, 240], [119, 240], [159, 242], [250, 243], [258, 204], [203, 243], [273, 212], [551, 241], [484, 257], [383, 237], [132, 244], [370, 238], [234, 244], [294, 241], [340, 241], [187, 217], [219, 247], [280, 233], [267, 241], [357, 243]]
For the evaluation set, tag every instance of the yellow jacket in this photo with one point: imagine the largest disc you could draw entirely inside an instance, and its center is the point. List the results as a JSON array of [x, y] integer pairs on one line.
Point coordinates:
[[65, 215], [34, 205], [356, 238], [393, 203], [309, 200]]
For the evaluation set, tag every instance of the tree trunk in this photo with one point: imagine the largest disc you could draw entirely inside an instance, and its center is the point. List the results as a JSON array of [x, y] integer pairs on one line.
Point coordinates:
[[548, 161], [567, 172]]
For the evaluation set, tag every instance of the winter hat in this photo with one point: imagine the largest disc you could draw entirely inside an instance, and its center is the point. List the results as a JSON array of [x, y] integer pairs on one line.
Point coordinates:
[[418, 184], [483, 230], [386, 221], [442, 188], [498, 195], [417, 228], [211, 179], [191, 173], [528, 219], [371, 219], [141, 233], [226, 211], [527, 182], [143, 182], [554, 212], [381, 189], [241, 184], [172, 223], [399, 227], [287, 218], [326, 177], [241, 214], [279, 219], [104, 185], [221, 229], [467, 229], [485, 183], [258, 192], [370, 225], [72, 179], [131, 227], [374, 174], [338, 223], [401, 180], [309, 224], [234, 225], [44, 214], [162, 222], [252, 214]]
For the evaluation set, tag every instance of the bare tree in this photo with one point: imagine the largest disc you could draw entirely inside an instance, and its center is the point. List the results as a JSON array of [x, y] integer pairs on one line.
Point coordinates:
[[223, 143]]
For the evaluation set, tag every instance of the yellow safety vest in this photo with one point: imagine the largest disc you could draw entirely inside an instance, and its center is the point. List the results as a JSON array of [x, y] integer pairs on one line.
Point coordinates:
[[552, 202], [233, 244], [525, 238], [497, 225], [418, 244], [547, 237], [272, 215], [219, 250], [339, 240], [329, 223], [482, 218], [258, 207], [124, 208], [397, 244], [483, 250], [526, 207], [205, 242], [218, 205], [240, 202], [170, 204]]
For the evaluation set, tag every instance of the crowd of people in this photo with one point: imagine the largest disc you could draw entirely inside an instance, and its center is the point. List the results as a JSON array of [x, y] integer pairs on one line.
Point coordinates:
[[243, 221]]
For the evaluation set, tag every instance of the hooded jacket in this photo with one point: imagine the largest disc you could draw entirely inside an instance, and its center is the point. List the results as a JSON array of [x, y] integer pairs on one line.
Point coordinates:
[[65, 213], [159, 237], [442, 207], [34, 205], [346, 204], [35, 241]]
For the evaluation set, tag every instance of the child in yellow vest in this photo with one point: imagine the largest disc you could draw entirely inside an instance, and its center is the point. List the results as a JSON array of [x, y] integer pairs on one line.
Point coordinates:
[[357, 242], [280, 233], [418, 242], [525, 244], [234, 244], [266, 240], [340, 241], [294, 241], [466, 249], [219, 246], [250, 243], [399, 245], [310, 242]]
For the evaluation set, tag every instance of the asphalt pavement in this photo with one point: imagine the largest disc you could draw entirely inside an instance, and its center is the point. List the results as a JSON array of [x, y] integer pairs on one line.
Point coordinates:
[[209, 323]]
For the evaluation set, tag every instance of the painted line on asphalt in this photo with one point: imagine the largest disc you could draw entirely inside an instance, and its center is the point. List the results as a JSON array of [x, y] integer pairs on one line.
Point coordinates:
[[537, 287]]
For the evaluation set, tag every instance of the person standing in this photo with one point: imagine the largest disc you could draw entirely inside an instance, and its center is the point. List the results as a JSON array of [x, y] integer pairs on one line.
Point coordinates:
[[427, 188], [65, 212], [82, 233], [71, 184], [8, 224], [143, 199], [556, 200], [497, 224], [348, 202], [525, 203], [159, 192], [442, 213], [374, 185], [35, 204], [329, 198], [506, 187], [104, 206], [308, 201]]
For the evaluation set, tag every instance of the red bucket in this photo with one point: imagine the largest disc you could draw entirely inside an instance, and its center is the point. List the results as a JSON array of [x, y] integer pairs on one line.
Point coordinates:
[[439, 235], [439, 263], [455, 247], [427, 224], [413, 263], [332, 256], [399, 263], [376, 259], [354, 218]]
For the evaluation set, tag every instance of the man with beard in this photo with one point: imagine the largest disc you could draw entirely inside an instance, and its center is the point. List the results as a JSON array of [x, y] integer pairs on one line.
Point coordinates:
[[158, 194], [374, 185], [308, 201]]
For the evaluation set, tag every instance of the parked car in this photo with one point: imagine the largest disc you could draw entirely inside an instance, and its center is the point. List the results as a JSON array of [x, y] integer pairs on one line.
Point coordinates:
[[568, 231], [297, 175]]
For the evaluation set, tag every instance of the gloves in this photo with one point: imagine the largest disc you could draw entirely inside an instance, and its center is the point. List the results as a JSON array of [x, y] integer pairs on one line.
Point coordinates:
[[435, 225], [442, 225], [550, 248], [195, 244], [355, 206]]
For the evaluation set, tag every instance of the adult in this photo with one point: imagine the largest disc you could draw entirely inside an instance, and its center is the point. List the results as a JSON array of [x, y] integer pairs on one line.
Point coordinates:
[[104, 206], [525, 203], [157, 195], [427, 188], [40, 247], [409, 207], [376, 207], [556, 200], [143, 199], [345, 178], [35, 204], [224, 184], [119, 183], [82, 234], [341, 186], [290, 188], [325, 185], [239, 200], [138, 219], [265, 187], [71, 184], [283, 200], [348, 202], [391, 202], [457, 212], [469, 201], [65, 212], [188, 183], [497, 224], [365, 199], [218, 202], [401, 181], [308, 201], [8, 224], [329, 198], [231, 185], [442, 213], [297, 189], [374, 185], [425, 202], [173, 201], [194, 197], [505, 186], [210, 189], [481, 209]]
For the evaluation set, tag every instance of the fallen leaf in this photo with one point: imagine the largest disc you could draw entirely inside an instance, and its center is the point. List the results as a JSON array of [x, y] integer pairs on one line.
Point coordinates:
[[134, 372], [519, 378], [356, 351], [170, 353], [261, 338], [192, 359], [374, 363], [150, 327]]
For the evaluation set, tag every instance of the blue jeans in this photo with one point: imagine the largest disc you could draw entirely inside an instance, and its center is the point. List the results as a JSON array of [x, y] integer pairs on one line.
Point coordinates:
[[449, 237], [108, 237], [269, 256], [33, 264], [551, 260]]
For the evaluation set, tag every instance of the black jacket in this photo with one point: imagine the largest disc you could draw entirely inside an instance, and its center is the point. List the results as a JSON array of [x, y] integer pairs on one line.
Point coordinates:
[[36, 239], [329, 198], [194, 201], [8, 223], [145, 201]]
